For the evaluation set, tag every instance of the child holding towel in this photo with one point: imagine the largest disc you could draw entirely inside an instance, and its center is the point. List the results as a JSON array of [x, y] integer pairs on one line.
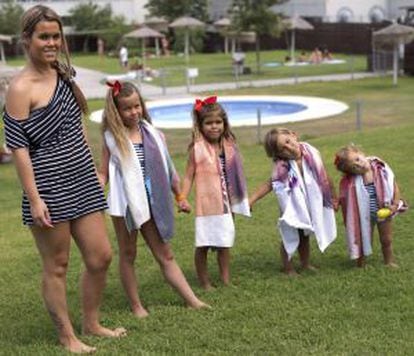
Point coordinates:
[[141, 175], [305, 195], [215, 167], [368, 195]]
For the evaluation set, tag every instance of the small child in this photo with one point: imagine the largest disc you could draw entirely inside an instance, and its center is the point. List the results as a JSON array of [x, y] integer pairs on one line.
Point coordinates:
[[368, 184], [305, 195], [215, 166], [141, 174]]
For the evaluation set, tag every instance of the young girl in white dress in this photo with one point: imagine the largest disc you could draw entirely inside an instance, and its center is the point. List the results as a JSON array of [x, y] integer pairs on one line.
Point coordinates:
[[215, 166]]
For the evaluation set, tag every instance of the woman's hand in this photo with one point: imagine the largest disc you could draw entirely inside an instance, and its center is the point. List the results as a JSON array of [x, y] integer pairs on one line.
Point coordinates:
[[40, 214]]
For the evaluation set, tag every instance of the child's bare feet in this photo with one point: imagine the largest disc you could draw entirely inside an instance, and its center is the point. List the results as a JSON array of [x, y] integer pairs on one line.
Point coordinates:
[[140, 312], [99, 330], [76, 346], [207, 286], [290, 272], [309, 267], [392, 265]]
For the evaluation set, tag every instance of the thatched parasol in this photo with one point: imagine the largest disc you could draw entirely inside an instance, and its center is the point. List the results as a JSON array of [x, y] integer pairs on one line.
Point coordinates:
[[295, 23], [187, 23], [394, 35], [143, 33]]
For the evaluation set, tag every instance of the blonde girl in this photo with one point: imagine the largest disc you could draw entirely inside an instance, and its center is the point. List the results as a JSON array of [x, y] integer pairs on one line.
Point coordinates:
[[368, 185], [215, 166], [62, 196], [305, 195], [136, 163]]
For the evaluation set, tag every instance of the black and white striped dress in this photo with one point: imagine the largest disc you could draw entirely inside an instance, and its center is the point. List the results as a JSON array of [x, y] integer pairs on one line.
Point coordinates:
[[64, 171]]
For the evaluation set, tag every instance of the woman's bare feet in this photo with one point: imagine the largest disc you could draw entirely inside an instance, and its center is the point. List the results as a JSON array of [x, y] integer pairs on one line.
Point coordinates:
[[74, 345], [99, 330], [140, 312]]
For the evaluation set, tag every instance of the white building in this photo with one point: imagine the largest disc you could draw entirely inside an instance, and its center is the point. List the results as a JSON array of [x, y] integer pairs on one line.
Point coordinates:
[[345, 10], [132, 10]]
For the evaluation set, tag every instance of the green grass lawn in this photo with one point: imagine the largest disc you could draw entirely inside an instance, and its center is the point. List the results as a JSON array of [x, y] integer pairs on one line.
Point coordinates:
[[340, 310], [217, 67]]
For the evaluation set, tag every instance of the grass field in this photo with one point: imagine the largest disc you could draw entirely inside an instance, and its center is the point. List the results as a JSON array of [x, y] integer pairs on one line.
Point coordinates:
[[340, 310]]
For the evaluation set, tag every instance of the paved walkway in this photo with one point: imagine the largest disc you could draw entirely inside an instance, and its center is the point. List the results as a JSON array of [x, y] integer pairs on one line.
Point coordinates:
[[92, 84], [91, 81]]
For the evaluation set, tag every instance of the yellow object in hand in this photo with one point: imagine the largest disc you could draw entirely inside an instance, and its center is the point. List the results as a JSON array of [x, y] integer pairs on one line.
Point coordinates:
[[383, 213]]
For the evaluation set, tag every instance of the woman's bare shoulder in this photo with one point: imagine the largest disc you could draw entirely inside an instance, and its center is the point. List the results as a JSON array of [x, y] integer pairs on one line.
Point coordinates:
[[18, 96]]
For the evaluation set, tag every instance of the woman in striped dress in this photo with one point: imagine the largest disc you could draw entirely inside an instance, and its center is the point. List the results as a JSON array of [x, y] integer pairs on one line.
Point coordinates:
[[62, 197]]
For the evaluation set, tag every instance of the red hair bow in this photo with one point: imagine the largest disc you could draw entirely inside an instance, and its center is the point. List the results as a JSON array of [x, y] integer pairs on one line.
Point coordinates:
[[200, 103], [116, 87]]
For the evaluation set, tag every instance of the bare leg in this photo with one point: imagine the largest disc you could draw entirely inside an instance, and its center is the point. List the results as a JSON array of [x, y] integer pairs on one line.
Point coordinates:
[[385, 234], [287, 263], [200, 262], [223, 259], [304, 252], [90, 235], [127, 254], [54, 246], [169, 267]]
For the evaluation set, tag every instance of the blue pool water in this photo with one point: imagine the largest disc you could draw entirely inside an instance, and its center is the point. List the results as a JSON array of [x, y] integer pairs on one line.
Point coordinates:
[[236, 110]]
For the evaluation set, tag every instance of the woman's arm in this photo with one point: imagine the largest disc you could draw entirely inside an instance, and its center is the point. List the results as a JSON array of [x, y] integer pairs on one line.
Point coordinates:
[[38, 208], [260, 192], [18, 104]]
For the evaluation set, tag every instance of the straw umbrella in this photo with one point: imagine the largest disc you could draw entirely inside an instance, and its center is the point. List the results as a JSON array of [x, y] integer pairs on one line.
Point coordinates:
[[296, 23], [222, 26], [394, 35], [143, 33], [187, 23]]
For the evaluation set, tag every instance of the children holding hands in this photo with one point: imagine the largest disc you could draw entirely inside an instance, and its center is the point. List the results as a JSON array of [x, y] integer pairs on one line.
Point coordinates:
[[136, 162], [305, 195], [215, 167], [368, 195]]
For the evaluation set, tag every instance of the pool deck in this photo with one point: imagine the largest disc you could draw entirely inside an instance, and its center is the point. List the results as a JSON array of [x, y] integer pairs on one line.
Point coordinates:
[[90, 83]]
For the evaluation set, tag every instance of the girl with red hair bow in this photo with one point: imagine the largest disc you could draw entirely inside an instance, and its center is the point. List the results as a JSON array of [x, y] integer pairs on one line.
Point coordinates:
[[215, 166]]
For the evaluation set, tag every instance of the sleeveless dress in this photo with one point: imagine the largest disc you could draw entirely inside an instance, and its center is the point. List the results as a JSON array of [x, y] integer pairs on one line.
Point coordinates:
[[62, 163]]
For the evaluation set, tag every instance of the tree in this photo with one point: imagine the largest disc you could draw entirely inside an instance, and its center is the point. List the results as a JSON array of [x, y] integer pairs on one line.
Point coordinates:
[[92, 18], [171, 10], [254, 15], [10, 14]]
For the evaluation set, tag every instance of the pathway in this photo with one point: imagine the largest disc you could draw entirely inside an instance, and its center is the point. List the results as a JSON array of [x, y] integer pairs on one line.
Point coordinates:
[[91, 81]]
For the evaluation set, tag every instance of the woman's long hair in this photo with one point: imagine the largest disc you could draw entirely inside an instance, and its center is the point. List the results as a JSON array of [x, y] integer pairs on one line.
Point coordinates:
[[111, 119], [29, 21]]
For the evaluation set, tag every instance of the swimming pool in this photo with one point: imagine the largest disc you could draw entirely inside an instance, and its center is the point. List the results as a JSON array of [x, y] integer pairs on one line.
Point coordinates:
[[243, 110]]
